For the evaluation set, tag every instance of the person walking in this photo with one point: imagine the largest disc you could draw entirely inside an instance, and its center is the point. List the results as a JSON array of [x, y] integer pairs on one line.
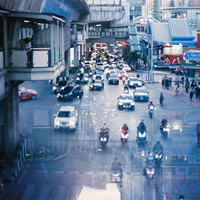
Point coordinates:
[[187, 84], [191, 93]]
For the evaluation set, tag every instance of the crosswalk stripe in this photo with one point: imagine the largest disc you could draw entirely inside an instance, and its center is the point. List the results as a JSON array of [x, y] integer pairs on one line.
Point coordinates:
[[28, 192], [44, 192], [60, 192]]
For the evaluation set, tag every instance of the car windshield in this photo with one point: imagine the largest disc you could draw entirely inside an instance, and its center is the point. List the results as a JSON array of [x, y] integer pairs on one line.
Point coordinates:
[[133, 79], [64, 114], [99, 63], [113, 76], [97, 81], [66, 90], [62, 83], [126, 97], [141, 90]]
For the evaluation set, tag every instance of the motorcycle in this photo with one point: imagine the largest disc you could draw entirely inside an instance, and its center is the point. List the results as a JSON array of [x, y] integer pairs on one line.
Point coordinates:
[[150, 171], [116, 176], [158, 155], [141, 137], [124, 137], [164, 130], [126, 91], [124, 80], [103, 137], [151, 110]]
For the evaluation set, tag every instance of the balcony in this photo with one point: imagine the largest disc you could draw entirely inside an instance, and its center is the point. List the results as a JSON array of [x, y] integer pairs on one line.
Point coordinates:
[[115, 34], [33, 64]]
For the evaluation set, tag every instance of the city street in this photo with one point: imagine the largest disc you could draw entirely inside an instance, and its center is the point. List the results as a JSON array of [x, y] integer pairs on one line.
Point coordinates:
[[60, 163]]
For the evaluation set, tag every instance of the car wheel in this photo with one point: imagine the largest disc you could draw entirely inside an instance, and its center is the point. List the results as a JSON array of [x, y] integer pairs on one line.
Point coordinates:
[[33, 96]]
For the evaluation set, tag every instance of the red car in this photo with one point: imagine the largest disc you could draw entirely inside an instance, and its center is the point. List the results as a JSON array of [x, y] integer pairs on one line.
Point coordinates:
[[26, 93], [122, 74]]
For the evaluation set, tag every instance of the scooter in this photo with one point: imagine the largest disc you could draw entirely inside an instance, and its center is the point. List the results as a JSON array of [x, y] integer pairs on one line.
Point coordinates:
[[116, 176], [158, 155], [103, 138], [150, 171], [164, 130], [124, 137], [141, 137], [124, 80], [151, 110], [126, 91]]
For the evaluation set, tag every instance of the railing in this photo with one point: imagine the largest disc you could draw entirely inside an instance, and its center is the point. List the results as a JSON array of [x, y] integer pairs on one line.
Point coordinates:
[[1, 59], [35, 57], [108, 34]]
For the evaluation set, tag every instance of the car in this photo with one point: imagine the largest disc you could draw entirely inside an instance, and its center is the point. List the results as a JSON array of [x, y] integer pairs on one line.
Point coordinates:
[[82, 78], [125, 101], [100, 66], [98, 75], [122, 74], [126, 68], [66, 118], [56, 88], [111, 69], [134, 82], [113, 79], [97, 85], [69, 92], [120, 64], [141, 94], [26, 93]]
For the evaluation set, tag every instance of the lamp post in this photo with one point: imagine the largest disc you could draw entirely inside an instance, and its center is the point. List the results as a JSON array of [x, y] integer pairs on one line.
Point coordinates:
[[152, 50]]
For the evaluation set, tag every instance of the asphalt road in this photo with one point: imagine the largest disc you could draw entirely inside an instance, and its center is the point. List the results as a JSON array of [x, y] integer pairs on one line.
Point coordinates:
[[61, 163]]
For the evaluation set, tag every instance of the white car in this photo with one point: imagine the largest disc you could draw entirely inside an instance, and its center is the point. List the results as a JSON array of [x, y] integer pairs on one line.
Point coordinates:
[[126, 68], [66, 118], [100, 66]]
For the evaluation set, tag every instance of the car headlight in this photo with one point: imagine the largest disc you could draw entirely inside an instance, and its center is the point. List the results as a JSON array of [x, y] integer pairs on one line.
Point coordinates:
[[57, 122], [58, 95], [71, 122], [132, 103], [120, 103], [54, 87], [86, 79], [77, 78], [91, 86]]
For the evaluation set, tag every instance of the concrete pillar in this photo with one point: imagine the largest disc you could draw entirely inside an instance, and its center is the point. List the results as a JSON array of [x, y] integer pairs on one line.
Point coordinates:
[[52, 36], [62, 42], [81, 51], [57, 38], [11, 125], [75, 56], [5, 33]]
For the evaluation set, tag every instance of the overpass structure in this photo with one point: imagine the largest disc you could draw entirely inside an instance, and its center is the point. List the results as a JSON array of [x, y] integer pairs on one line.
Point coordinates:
[[36, 38]]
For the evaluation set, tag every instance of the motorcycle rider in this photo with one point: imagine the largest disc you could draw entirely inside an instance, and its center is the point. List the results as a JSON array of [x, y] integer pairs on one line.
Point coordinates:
[[125, 87], [150, 160], [116, 166], [141, 127], [125, 129], [150, 104], [104, 130], [158, 148], [163, 123]]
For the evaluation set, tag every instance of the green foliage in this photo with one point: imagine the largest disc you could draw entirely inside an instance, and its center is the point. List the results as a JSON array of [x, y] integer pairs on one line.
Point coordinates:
[[137, 54]]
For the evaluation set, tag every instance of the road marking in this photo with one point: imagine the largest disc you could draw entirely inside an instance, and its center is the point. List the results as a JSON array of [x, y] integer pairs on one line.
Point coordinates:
[[60, 192], [44, 192], [28, 192]]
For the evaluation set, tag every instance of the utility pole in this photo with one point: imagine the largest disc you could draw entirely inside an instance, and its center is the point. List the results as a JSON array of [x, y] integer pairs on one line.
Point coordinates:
[[152, 50], [148, 58]]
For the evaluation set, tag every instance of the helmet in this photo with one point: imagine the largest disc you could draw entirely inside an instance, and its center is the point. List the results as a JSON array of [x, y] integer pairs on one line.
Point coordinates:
[[151, 101], [158, 142], [104, 123], [164, 117], [150, 154], [142, 120], [125, 124]]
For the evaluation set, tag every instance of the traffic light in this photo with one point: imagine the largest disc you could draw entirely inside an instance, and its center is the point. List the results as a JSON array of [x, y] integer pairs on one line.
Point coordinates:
[[155, 63]]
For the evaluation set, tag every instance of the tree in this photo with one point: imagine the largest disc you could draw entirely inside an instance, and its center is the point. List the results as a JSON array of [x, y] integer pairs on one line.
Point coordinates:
[[137, 54]]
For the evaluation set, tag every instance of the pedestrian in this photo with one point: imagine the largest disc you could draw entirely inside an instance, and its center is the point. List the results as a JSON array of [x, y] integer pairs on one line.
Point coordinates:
[[191, 93], [187, 84], [181, 87], [198, 133]]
